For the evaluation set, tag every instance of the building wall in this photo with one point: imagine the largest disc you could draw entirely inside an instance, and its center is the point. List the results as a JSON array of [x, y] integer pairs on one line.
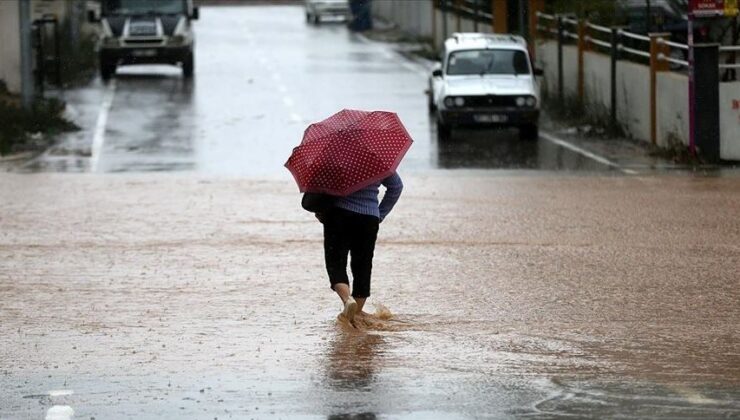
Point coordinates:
[[729, 118], [10, 47]]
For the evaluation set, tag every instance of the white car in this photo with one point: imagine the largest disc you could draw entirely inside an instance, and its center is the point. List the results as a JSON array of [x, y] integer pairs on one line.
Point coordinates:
[[485, 80], [316, 9]]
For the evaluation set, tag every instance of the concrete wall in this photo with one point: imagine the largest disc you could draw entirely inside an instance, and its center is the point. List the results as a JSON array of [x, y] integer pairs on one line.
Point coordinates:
[[729, 115], [412, 16], [672, 109], [465, 25], [415, 17], [597, 68], [633, 99], [10, 47], [633, 85]]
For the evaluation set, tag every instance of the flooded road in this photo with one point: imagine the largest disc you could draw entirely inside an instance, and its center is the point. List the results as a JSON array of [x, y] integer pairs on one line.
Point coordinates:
[[129, 296]]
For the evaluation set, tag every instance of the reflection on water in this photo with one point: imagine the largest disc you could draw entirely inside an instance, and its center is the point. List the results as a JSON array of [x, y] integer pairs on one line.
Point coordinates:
[[503, 149], [354, 358], [360, 416]]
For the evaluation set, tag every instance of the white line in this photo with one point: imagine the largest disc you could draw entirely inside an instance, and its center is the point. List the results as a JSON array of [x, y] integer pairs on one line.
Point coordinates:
[[288, 101], [295, 117], [100, 125], [282, 88], [574, 148]]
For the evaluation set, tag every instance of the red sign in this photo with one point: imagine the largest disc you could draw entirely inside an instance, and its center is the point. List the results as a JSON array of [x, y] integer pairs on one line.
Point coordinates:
[[707, 8]]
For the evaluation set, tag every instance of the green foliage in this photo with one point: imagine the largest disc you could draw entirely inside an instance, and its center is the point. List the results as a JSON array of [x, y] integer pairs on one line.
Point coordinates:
[[45, 117]]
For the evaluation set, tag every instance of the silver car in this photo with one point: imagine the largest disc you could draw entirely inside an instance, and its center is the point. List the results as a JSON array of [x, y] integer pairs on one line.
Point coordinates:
[[317, 9]]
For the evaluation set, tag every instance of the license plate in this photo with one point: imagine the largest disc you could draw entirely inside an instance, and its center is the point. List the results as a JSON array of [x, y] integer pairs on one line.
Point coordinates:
[[490, 118], [144, 53]]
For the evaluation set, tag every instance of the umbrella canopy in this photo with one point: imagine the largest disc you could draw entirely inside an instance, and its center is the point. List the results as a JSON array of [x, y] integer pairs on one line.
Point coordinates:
[[349, 151]]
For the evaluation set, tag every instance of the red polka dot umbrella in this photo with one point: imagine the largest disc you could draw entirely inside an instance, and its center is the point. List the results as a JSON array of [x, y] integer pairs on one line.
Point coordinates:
[[349, 151]]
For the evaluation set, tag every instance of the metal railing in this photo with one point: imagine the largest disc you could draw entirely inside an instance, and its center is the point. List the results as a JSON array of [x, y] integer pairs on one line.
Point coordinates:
[[627, 42]]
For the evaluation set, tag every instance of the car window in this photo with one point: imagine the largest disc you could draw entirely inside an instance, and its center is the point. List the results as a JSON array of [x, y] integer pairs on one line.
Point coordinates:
[[488, 61], [127, 7]]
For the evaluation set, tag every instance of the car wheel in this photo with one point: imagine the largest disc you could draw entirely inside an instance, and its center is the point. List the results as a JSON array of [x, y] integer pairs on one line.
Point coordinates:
[[444, 131], [309, 18], [430, 100], [107, 69], [317, 19], [529, 132], [188, 66]]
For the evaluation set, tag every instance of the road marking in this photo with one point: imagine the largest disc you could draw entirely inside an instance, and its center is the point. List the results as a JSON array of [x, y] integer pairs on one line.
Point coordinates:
[[393, 54], [60, 392], [288, 101], [60, 412], [570, 146], [282, 88], [100, 125], [295, 117]]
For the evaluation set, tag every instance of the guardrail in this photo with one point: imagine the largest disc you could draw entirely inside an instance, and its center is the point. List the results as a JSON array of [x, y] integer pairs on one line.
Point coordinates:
[[594, 35], [654, 50]]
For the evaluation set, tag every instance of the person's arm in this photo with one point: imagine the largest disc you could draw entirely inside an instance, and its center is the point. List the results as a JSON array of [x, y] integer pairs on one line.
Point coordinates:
[[393, 187]]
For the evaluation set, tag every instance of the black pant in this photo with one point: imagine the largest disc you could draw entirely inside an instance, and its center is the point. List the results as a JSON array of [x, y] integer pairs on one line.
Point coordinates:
[[346, 232]]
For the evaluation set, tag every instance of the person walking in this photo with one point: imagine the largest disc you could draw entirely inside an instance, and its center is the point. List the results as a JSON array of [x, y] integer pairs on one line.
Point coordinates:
[[351, 228], [339, 167]]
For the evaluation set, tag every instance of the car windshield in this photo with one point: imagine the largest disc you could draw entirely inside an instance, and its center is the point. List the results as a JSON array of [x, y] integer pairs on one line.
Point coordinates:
[[133, 7], [487, 62]]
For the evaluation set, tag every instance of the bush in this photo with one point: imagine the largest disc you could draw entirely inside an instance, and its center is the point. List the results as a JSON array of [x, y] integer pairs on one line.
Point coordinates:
[[45, 117]]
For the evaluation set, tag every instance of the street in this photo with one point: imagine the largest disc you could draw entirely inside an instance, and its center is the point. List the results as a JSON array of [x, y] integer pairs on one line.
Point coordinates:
[[262, 76], [157, 264]]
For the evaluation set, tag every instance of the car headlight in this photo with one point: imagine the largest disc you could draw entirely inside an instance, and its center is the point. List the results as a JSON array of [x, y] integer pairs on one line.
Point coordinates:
[[449, 101], [459, 101], [531, 101], [521, 101], [177, 40]]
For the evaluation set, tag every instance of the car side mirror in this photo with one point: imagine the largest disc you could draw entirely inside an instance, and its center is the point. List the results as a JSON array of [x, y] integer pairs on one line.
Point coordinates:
[[196, 13], [538, 71], [92, 17], [437, 73]]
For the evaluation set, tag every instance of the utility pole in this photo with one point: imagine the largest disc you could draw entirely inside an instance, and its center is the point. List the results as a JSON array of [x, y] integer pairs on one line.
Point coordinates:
[[27, 87], [648, 15]]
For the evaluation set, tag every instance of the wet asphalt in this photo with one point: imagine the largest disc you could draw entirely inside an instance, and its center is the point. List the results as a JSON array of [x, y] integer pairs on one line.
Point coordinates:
[[557, 291], [262, 76]]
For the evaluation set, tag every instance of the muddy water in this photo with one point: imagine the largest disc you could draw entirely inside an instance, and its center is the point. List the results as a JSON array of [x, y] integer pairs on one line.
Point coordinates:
[[137, 297]]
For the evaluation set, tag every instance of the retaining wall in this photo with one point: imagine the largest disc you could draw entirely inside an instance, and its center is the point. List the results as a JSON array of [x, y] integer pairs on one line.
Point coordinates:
[[672, 109], [633, 99]]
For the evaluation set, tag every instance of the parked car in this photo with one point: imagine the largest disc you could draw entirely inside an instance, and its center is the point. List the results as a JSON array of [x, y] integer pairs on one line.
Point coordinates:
[[317, 9], [485, 80], [146, 32]]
